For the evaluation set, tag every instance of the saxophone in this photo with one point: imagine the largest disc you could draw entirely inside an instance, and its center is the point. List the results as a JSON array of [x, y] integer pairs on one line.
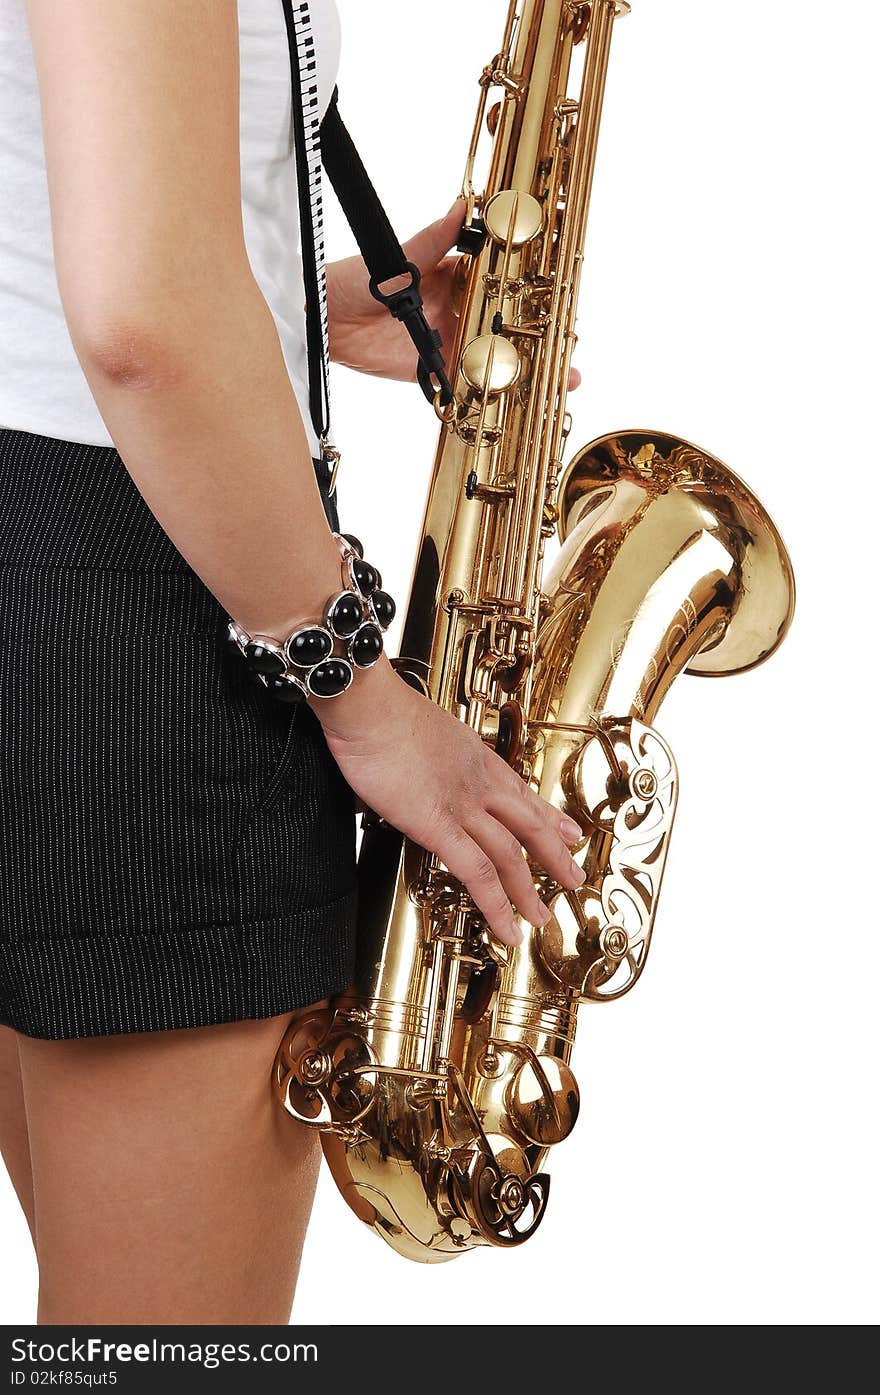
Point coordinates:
[[442, 1077]]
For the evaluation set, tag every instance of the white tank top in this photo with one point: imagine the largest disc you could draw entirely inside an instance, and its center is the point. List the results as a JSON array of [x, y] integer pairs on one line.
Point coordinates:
[[42, 386]]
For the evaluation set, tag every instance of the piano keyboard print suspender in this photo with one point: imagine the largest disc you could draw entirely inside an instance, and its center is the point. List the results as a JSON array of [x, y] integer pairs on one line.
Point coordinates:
[[307, 134]]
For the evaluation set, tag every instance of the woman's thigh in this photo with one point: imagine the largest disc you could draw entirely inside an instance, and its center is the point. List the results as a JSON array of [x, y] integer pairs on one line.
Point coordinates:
[[169, 1186]]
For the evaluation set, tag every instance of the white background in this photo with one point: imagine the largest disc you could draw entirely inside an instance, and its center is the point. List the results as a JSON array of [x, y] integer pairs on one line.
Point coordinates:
[[724, 1167]]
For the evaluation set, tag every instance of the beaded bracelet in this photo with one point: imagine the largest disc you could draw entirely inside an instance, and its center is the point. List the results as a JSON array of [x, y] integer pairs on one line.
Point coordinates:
[[308, 662]]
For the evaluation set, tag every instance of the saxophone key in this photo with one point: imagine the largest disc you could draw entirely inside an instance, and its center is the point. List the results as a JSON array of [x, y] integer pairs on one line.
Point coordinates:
[[513, 218], [490, 365]]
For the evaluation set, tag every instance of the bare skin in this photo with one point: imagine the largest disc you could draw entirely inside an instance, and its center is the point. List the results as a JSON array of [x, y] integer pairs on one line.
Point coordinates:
[[159, 1178], [168, 1185], [14, 1142]]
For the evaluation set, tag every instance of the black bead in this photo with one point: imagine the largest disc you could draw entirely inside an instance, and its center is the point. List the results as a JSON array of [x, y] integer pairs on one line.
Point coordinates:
[[285, 688], [354, 542], [308, 647], [366, 577], [330, 678], [366, 646], [346, 615], [263, 660], [383, 607], [254, 678]]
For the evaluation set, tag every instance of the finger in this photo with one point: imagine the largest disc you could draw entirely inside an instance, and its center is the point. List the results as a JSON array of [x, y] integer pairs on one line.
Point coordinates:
[[427, 247], [507, 855], [476, 871], [538, 826], [514, 786], [574, 379]]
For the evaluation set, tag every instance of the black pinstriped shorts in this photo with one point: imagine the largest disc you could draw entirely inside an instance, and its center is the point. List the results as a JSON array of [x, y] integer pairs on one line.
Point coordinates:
[[177, 847]]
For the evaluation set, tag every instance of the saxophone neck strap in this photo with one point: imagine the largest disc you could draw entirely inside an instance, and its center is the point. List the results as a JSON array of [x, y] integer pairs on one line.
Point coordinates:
[[383, 255], [328, 143]]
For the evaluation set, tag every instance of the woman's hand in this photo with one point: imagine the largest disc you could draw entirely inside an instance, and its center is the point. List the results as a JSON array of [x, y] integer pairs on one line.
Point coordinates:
[[362, 333], [431, 777]]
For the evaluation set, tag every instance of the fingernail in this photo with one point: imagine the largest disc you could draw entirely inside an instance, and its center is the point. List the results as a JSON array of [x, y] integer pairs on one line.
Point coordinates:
[[579, 874], [570, 830], [516, 933], [546, 917]]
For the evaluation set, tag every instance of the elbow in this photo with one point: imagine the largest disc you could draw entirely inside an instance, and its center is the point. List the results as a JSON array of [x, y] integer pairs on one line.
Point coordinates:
[[128, 351], [152, 332], [141, 321]]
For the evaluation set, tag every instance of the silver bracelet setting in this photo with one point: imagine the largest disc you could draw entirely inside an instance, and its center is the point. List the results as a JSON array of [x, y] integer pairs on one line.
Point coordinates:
[[320, 659]]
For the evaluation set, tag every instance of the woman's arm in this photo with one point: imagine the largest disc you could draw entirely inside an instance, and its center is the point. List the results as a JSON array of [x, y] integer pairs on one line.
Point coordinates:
[[140, 102], [140, 106]]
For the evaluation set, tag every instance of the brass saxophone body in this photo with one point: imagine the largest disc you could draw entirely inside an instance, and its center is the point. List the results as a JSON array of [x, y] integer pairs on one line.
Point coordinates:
[[442, 1078]]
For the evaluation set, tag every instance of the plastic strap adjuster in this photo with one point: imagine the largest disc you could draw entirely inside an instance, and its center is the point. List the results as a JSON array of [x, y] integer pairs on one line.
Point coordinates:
[[406, 305]]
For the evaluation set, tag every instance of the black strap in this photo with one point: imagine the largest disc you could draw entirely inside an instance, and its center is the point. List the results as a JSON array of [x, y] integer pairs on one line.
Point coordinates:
[[380, 249]]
